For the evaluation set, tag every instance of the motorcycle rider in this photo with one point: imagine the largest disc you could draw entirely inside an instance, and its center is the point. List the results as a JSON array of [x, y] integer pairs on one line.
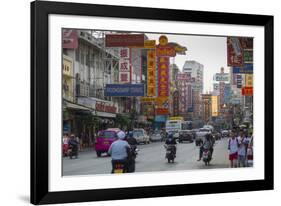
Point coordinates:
[[119, 150], [171, 141], [132, 156], [207, 144], [73, 145]]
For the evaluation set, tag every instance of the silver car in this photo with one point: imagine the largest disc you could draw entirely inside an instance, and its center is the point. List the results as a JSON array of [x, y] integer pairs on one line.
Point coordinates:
[[141, 136]]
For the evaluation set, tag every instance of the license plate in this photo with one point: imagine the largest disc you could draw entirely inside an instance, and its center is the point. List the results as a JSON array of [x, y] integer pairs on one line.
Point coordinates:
[[105, 142], [118, 171]]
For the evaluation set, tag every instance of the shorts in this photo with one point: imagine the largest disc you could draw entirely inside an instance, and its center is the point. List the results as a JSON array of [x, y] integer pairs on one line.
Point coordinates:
[[233, 156]]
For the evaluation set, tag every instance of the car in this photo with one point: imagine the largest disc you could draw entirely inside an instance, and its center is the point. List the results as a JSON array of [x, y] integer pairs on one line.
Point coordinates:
[[224, 133], [156, 136], [141, 136], [104, 139], [185, 135]]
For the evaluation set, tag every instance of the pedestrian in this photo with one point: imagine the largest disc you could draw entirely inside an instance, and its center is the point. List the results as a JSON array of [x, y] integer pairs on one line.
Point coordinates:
[[233, 149], [65, 140], [250, 152], [242, 150]]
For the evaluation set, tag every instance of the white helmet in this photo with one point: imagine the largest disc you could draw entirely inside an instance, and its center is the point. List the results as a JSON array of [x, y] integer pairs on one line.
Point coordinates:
[[121, 135]]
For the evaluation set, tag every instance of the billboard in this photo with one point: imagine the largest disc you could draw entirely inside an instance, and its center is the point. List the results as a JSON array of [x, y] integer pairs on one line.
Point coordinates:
[[221, 77], [124, 90], [247, 69], [235, 56], [151, 73], [124, 66], [124, 40], [163, 76], [70, 39]]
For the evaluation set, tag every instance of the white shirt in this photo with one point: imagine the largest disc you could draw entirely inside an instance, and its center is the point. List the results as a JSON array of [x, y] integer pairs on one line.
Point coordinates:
[[233, 145], [242, 146]]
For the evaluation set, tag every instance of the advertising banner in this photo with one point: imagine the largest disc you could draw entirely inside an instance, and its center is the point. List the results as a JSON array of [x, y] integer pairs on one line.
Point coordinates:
[[248, 56], [247, 69], [183, 76], [221, 85], [247, 91], [215, 106], [124, 90], [70, 39], [163, 76], [221, 77], [151, 73], [165, 51], [124, 40], [234, 52]]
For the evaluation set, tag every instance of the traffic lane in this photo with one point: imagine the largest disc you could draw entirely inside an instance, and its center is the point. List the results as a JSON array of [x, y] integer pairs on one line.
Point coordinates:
[[151, 158]]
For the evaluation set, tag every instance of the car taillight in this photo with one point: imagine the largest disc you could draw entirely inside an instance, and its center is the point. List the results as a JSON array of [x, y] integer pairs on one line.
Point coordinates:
[[96, 141]]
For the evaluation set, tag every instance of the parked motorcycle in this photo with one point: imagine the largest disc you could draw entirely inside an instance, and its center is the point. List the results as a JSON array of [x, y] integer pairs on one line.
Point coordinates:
[[170, 152]]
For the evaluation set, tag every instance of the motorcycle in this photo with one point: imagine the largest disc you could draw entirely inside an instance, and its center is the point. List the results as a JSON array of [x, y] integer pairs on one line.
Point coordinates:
[[119, 167], [73, 151], [206, 157], [132, 157], [170, 152]]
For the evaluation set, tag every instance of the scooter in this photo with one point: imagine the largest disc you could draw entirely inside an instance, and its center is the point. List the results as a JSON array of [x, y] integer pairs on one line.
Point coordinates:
[[170, 153], [73, 151], [206, 157]]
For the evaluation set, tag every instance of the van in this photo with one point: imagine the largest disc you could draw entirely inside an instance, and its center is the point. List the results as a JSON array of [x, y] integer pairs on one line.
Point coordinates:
[[141, 136], [104, 139]]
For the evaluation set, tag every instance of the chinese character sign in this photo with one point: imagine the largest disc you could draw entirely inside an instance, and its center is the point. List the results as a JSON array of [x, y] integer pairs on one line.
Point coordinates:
[[163, 76], [151, 73], [124, 66]]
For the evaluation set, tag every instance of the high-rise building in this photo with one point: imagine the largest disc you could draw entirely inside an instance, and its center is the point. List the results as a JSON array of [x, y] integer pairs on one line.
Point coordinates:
[[195, 70]]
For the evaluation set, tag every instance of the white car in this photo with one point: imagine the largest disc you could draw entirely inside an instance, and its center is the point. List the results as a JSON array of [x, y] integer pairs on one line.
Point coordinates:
[[141, 136], [156, 136]]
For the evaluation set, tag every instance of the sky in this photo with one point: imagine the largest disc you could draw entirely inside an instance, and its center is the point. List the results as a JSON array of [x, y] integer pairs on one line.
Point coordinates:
[[207, 50]]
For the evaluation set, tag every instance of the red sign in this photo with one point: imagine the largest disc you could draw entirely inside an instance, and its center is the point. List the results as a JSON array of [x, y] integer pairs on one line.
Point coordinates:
[[163, 76], [162, 111], [124, 40], [101, 107], [247, 91], [165, 51], [70, 39], [234, 52]]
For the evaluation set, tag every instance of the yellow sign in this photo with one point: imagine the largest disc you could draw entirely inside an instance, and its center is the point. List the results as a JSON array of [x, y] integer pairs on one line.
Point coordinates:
[[149, 44], [151, 73], [215, 106], [176, 118], [249, 80], [163, 40]]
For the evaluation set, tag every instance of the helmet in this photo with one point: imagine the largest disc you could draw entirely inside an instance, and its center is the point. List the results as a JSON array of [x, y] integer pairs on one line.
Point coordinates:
[[121, 135]]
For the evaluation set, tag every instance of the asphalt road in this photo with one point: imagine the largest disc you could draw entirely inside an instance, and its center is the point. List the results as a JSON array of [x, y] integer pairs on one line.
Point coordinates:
[[151, 157]]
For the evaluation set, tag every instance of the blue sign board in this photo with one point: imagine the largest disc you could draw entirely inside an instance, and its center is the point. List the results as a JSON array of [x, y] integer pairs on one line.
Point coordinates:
[[247, 69], [124, 90]]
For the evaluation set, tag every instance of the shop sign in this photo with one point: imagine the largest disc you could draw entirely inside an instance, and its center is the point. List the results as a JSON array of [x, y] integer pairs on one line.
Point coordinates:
[[149, 44], [163, 77], [151, 73], [103, 107], [248, 56], [124, 90], [124, 40], [163, 49], [247, 69], [249, 80], [247, 91], [239, 81]]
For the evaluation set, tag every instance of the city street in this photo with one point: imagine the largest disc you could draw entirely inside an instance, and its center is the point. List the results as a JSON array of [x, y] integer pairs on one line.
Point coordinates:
[[150, 158]]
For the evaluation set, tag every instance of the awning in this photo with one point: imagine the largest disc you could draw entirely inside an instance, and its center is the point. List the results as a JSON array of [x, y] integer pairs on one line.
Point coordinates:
[[73, 106]]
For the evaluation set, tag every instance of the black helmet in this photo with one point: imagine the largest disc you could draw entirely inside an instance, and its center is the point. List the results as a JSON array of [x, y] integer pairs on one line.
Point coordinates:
[[170, 136]]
